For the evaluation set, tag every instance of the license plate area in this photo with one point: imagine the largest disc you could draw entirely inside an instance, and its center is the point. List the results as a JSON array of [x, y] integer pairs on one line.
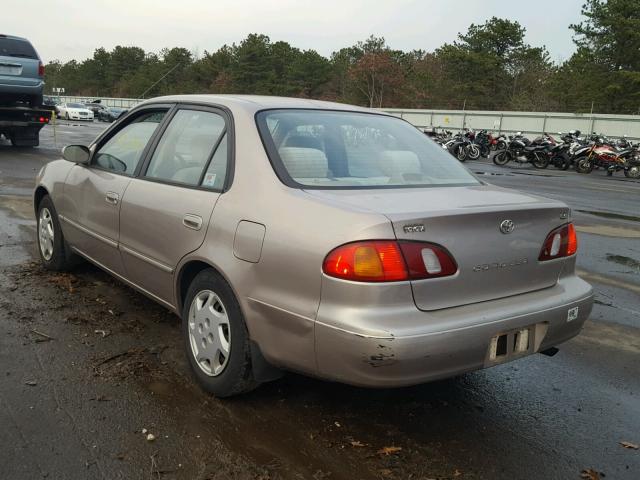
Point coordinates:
[[515, 343], [10, 70]]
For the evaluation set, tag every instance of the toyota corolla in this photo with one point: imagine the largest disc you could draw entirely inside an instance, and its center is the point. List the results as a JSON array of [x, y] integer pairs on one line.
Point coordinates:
[[335, 241]]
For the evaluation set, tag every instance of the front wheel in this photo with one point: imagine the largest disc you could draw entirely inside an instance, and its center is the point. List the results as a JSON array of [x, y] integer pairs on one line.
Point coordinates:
[[54, 252], [474, 152], [502, 158], [584, 165], [216, 337], [540, 160], [501, 145], [461, 153]]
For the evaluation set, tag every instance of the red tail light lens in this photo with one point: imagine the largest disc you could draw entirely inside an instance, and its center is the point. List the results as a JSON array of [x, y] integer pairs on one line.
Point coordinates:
[[388, 261], [40, 70], [561, 242]]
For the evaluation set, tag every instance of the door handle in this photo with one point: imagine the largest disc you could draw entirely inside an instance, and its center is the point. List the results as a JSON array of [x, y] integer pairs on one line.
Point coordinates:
[[112, 197], [194, 222]]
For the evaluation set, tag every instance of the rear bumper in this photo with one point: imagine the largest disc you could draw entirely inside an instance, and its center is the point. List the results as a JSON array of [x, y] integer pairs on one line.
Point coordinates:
[[418, 347], [9, 86]]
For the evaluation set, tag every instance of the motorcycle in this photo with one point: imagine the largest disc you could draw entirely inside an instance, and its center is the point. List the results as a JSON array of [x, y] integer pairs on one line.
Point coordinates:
[[461, 147], [482, 140], [601, 154], [497, 143], [521, 150]]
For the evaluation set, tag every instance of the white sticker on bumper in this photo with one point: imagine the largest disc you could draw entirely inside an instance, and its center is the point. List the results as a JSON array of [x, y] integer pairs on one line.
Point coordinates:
[[572, 314]]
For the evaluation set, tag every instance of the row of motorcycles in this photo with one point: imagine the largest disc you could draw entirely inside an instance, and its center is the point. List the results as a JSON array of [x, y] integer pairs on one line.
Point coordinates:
[[572, 150]]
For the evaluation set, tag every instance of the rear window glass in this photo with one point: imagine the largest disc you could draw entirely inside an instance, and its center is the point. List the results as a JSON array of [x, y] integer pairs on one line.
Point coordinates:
[[10, 47], [332, 149]]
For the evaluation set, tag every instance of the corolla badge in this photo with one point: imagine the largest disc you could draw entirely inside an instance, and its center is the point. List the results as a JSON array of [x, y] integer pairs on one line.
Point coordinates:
[[507, 226]]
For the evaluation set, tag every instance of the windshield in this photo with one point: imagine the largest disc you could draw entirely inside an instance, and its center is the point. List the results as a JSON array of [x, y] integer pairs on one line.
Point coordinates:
[[76, 105], [10, 47], [333, 149]]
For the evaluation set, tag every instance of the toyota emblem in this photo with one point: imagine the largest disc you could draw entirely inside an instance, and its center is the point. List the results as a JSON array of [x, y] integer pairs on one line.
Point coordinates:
[[507, 226]]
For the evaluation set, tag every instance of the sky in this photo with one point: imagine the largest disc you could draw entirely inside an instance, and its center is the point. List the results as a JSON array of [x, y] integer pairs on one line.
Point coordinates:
[[73, 29]]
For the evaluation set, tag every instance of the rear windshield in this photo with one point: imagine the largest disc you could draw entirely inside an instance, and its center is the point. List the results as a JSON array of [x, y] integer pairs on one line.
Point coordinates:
[[10, 47], [333, 149]]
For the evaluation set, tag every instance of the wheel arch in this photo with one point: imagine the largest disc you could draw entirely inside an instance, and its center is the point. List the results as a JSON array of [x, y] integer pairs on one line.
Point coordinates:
[[39, 193]]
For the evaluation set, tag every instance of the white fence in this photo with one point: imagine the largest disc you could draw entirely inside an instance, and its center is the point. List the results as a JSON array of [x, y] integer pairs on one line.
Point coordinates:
[[530, 123]]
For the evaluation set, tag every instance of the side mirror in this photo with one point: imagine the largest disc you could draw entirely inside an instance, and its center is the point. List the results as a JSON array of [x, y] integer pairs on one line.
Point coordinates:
[[76, 154]]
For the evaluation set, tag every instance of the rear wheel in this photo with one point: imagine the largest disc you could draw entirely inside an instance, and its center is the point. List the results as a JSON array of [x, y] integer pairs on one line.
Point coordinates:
[[54, 252], [632, 172], [216, 337], [502, 158], [501, 145]]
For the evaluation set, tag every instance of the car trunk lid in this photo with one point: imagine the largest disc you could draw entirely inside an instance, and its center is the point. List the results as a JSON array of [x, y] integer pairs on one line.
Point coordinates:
[[466, 221]]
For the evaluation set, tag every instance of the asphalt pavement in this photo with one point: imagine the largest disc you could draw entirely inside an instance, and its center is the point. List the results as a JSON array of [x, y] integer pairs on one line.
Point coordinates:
[[89, 368]]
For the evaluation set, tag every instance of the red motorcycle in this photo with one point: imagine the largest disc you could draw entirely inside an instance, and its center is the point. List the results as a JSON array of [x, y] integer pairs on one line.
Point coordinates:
[[601, 154]]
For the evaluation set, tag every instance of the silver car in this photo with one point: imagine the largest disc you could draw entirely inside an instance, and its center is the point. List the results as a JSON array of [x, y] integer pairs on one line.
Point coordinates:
[[292, 234]]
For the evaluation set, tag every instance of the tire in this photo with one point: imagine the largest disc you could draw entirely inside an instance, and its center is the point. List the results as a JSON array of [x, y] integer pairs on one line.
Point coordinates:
[[474, 152], [501, 145], [224, 368], [584, 165], [540, 160], [632, 172], [502, 158], [54, 252], [461, 153]]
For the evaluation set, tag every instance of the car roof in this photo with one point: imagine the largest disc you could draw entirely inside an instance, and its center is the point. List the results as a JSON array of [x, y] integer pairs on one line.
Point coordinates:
[[255, 103], [12, 37]]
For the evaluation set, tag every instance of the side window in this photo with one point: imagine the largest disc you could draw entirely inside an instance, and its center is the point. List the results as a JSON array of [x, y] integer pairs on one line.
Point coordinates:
[[186, 147], [122, 152]]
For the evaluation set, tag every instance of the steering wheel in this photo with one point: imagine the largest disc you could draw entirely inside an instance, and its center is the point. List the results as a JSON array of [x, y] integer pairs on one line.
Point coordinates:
[[112, 163]]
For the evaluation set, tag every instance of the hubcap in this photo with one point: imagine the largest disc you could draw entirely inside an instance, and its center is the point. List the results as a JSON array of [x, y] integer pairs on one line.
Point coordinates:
[[209, 333], [45, 233]]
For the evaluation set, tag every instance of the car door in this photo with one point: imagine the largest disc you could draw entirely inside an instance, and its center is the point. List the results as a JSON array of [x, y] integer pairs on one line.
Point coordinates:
[[93, 192], [165, 212]]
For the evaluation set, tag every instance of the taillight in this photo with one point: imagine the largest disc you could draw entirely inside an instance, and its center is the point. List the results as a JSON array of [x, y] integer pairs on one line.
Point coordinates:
[[40, 69], [388, 261], [561, 242]]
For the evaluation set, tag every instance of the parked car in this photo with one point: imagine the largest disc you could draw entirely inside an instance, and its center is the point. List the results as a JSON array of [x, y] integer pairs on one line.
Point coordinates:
[[74, 111], [49, 103], [21, 72], [292, 234], [111, 114], [95, 107]]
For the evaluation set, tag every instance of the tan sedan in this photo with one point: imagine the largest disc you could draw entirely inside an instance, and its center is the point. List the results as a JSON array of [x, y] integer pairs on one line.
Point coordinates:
[[331, 240]]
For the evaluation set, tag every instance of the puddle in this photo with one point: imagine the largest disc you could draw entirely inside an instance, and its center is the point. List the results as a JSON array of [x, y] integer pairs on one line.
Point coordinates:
[[625, 261], [615, 216]]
